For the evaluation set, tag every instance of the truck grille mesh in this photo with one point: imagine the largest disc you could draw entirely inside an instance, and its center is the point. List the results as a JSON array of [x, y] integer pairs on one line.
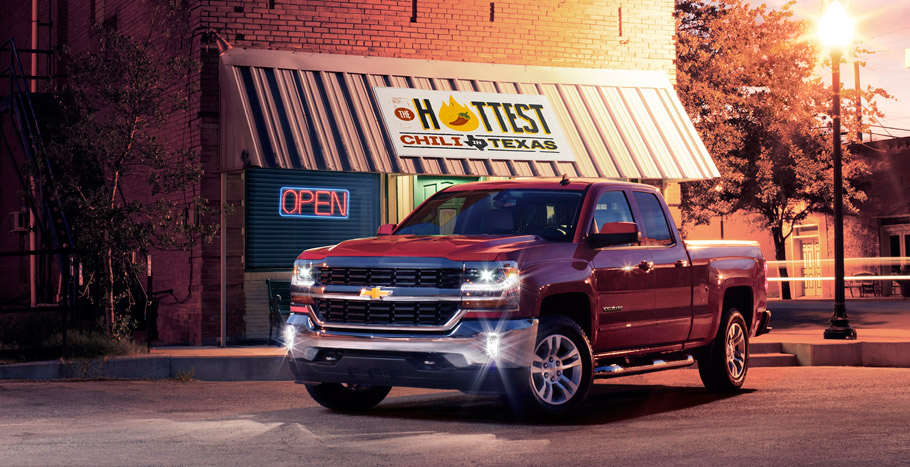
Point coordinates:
[[446, 278], [385, 313]]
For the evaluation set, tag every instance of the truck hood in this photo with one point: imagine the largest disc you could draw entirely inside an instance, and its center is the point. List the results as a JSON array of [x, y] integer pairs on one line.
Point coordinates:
[[455, 248]]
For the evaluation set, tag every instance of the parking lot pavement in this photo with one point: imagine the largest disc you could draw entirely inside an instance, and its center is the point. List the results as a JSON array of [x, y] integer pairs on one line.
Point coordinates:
[[785, 416]]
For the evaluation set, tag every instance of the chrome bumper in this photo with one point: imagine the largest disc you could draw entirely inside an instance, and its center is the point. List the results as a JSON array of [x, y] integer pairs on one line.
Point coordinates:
[[460, 359]]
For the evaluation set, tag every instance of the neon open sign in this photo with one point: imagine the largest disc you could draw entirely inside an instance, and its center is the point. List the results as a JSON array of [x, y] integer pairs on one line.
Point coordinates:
[[325, 203]]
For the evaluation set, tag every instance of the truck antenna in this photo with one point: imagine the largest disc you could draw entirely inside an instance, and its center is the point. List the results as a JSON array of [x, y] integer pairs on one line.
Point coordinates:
[[565, 180]]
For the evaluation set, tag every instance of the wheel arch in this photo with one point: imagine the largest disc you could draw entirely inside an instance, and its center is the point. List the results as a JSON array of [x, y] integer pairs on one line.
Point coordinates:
[[573, 305], [740, 297]]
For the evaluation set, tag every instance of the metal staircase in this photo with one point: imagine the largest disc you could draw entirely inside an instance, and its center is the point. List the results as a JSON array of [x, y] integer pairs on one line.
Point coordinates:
[[21, 136]]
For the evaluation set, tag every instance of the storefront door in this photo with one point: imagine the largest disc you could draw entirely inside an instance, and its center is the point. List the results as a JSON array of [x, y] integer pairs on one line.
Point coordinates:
[[811, 256], [898, 243], [424, 186]]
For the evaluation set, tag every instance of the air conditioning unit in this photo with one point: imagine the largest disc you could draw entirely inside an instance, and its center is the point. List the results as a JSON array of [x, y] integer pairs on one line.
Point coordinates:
[[18, 221]]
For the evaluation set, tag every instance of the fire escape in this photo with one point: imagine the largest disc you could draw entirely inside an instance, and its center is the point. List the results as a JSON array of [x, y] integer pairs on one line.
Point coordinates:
[[21, 141]]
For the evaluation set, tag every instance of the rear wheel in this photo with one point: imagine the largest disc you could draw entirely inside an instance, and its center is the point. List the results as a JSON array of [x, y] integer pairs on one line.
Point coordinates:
[[347, 397], [723, 365], [560, 374]]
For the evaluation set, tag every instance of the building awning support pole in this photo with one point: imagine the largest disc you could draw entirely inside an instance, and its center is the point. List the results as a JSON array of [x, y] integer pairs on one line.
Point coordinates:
[[223, 268]]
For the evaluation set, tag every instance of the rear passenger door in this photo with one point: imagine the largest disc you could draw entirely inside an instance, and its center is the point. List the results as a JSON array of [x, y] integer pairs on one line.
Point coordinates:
[[671, 272]]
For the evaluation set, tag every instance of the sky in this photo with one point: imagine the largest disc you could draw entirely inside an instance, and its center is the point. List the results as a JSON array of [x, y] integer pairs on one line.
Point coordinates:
[[882, 26]]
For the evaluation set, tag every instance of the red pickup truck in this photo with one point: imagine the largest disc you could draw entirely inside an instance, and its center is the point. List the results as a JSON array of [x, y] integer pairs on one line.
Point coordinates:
[[526, 288]]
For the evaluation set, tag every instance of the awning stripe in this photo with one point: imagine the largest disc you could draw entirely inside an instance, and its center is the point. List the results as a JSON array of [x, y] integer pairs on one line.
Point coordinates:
[[318, 112]]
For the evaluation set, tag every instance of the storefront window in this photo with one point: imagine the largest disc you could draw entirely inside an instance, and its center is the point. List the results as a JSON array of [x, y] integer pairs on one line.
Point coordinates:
[[288, 211]]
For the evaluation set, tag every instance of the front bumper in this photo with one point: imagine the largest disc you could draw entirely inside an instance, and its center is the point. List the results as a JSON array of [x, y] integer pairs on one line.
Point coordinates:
[[458, 359]]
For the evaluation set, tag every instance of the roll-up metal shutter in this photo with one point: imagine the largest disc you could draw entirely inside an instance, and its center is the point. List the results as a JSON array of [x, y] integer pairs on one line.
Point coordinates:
[[274, 237]]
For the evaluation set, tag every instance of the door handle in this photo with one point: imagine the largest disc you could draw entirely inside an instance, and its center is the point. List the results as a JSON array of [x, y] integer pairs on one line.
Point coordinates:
[[646, 266], [681, 263]]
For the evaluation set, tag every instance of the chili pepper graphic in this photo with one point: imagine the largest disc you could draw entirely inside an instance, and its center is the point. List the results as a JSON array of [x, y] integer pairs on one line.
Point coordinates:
[[458, 117], [461, 120]]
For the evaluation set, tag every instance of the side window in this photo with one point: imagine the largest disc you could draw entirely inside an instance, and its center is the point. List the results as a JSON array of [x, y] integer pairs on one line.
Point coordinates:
[[612, 206], [655, 222]]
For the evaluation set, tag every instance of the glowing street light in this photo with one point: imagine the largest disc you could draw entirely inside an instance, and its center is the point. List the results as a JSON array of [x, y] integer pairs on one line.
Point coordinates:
[[835, 27], [835, 30]]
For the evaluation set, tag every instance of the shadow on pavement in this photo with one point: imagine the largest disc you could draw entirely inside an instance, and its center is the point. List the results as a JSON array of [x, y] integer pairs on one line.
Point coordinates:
[[606, 404]]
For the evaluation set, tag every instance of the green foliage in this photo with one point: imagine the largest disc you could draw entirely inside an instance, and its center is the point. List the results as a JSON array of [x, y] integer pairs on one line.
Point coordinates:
[[96, 344], [747, 78], [185, 376], [38, 336], [126, 183]]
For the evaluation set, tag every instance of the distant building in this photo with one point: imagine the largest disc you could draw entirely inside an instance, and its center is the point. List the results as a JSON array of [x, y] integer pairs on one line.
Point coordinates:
[[880, 230]]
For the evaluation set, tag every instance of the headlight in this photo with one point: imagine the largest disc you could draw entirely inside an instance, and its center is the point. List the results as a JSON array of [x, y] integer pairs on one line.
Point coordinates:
[[495, 278], [304, 273], [491, 286]]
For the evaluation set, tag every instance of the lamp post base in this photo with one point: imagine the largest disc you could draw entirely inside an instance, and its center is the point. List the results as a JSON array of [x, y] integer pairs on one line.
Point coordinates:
[[840, 329]]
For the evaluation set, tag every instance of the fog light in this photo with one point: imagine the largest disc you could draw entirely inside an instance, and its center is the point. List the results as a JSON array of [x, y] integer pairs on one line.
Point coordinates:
[[289, 333], [493, 345]]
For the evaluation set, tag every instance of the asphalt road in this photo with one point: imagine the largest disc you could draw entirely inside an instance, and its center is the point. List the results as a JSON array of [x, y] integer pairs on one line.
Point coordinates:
[[788, 416]]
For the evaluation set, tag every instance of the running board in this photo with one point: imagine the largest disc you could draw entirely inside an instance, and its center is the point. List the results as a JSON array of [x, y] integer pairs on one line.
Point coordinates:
[[614, 370]]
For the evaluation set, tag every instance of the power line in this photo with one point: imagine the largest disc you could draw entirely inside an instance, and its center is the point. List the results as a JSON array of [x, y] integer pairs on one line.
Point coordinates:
[[888, 33], [892, 128]]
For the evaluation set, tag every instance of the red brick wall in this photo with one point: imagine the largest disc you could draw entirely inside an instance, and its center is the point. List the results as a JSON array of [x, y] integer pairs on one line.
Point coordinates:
[[572, 33]]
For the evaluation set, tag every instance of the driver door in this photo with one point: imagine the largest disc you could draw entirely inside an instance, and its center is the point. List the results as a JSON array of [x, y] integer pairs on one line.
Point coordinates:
[[625, 289]]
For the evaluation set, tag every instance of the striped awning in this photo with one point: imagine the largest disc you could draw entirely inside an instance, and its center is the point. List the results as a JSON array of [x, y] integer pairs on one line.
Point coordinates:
[[318, 112]]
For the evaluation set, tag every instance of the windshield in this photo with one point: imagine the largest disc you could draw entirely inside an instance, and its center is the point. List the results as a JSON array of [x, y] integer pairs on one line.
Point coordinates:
[[550, 214]]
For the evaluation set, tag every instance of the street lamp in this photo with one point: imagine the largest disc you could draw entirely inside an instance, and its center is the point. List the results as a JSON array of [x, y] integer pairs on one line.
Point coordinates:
[[835, 29]]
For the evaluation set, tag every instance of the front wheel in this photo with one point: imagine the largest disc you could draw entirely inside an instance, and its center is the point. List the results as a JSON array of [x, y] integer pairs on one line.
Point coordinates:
[[561, 372], [347, 397], [723, 365]]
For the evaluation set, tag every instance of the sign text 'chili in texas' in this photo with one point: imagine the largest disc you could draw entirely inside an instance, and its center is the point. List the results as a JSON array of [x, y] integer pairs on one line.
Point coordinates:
[[475, 125]]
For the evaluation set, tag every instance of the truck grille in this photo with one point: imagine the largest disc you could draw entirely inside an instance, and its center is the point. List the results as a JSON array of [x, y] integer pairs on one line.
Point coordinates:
[[335, 311], [446, 278]]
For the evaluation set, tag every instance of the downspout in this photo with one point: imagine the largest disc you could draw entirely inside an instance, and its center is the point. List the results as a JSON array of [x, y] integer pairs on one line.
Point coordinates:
[[223, 260], [32, 218], [223, 46]]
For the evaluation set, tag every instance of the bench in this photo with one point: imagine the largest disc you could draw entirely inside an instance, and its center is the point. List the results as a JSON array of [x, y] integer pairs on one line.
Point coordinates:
[[279, 303], [865, 286]]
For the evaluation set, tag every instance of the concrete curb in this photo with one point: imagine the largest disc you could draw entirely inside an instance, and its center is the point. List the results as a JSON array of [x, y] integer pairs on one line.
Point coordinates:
[[227, 368], [875, 354], [239, 367]]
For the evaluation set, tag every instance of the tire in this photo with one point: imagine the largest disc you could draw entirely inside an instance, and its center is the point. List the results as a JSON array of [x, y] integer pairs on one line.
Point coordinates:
[[560, 375], [724, 364], [347, 397]]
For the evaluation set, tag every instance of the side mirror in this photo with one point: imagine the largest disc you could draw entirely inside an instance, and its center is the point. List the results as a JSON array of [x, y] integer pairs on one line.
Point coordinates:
[[386, 229], [615, 233]]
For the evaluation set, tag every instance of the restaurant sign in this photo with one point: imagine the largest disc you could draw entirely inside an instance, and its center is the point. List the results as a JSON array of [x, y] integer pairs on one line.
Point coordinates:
[[475, 125]]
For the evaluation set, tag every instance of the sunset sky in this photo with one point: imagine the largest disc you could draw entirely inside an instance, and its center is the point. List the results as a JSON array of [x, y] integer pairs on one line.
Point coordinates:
[[883, 26]]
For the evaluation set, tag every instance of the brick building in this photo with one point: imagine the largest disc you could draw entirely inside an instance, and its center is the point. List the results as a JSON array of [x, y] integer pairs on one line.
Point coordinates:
[[286, 98]]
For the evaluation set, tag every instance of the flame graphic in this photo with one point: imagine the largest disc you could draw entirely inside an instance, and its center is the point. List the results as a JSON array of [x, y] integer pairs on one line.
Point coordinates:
[[457, 116]]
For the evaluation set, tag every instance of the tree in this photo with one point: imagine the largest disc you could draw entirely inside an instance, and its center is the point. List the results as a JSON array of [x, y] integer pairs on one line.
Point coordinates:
[[747, 78], [125, 189]]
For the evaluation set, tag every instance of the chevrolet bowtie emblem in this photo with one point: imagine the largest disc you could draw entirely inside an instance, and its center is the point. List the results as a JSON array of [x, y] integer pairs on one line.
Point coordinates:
[[375, 293]]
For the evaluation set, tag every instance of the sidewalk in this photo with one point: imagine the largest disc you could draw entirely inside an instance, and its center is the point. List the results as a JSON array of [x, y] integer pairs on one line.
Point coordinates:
[[882, 325]]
